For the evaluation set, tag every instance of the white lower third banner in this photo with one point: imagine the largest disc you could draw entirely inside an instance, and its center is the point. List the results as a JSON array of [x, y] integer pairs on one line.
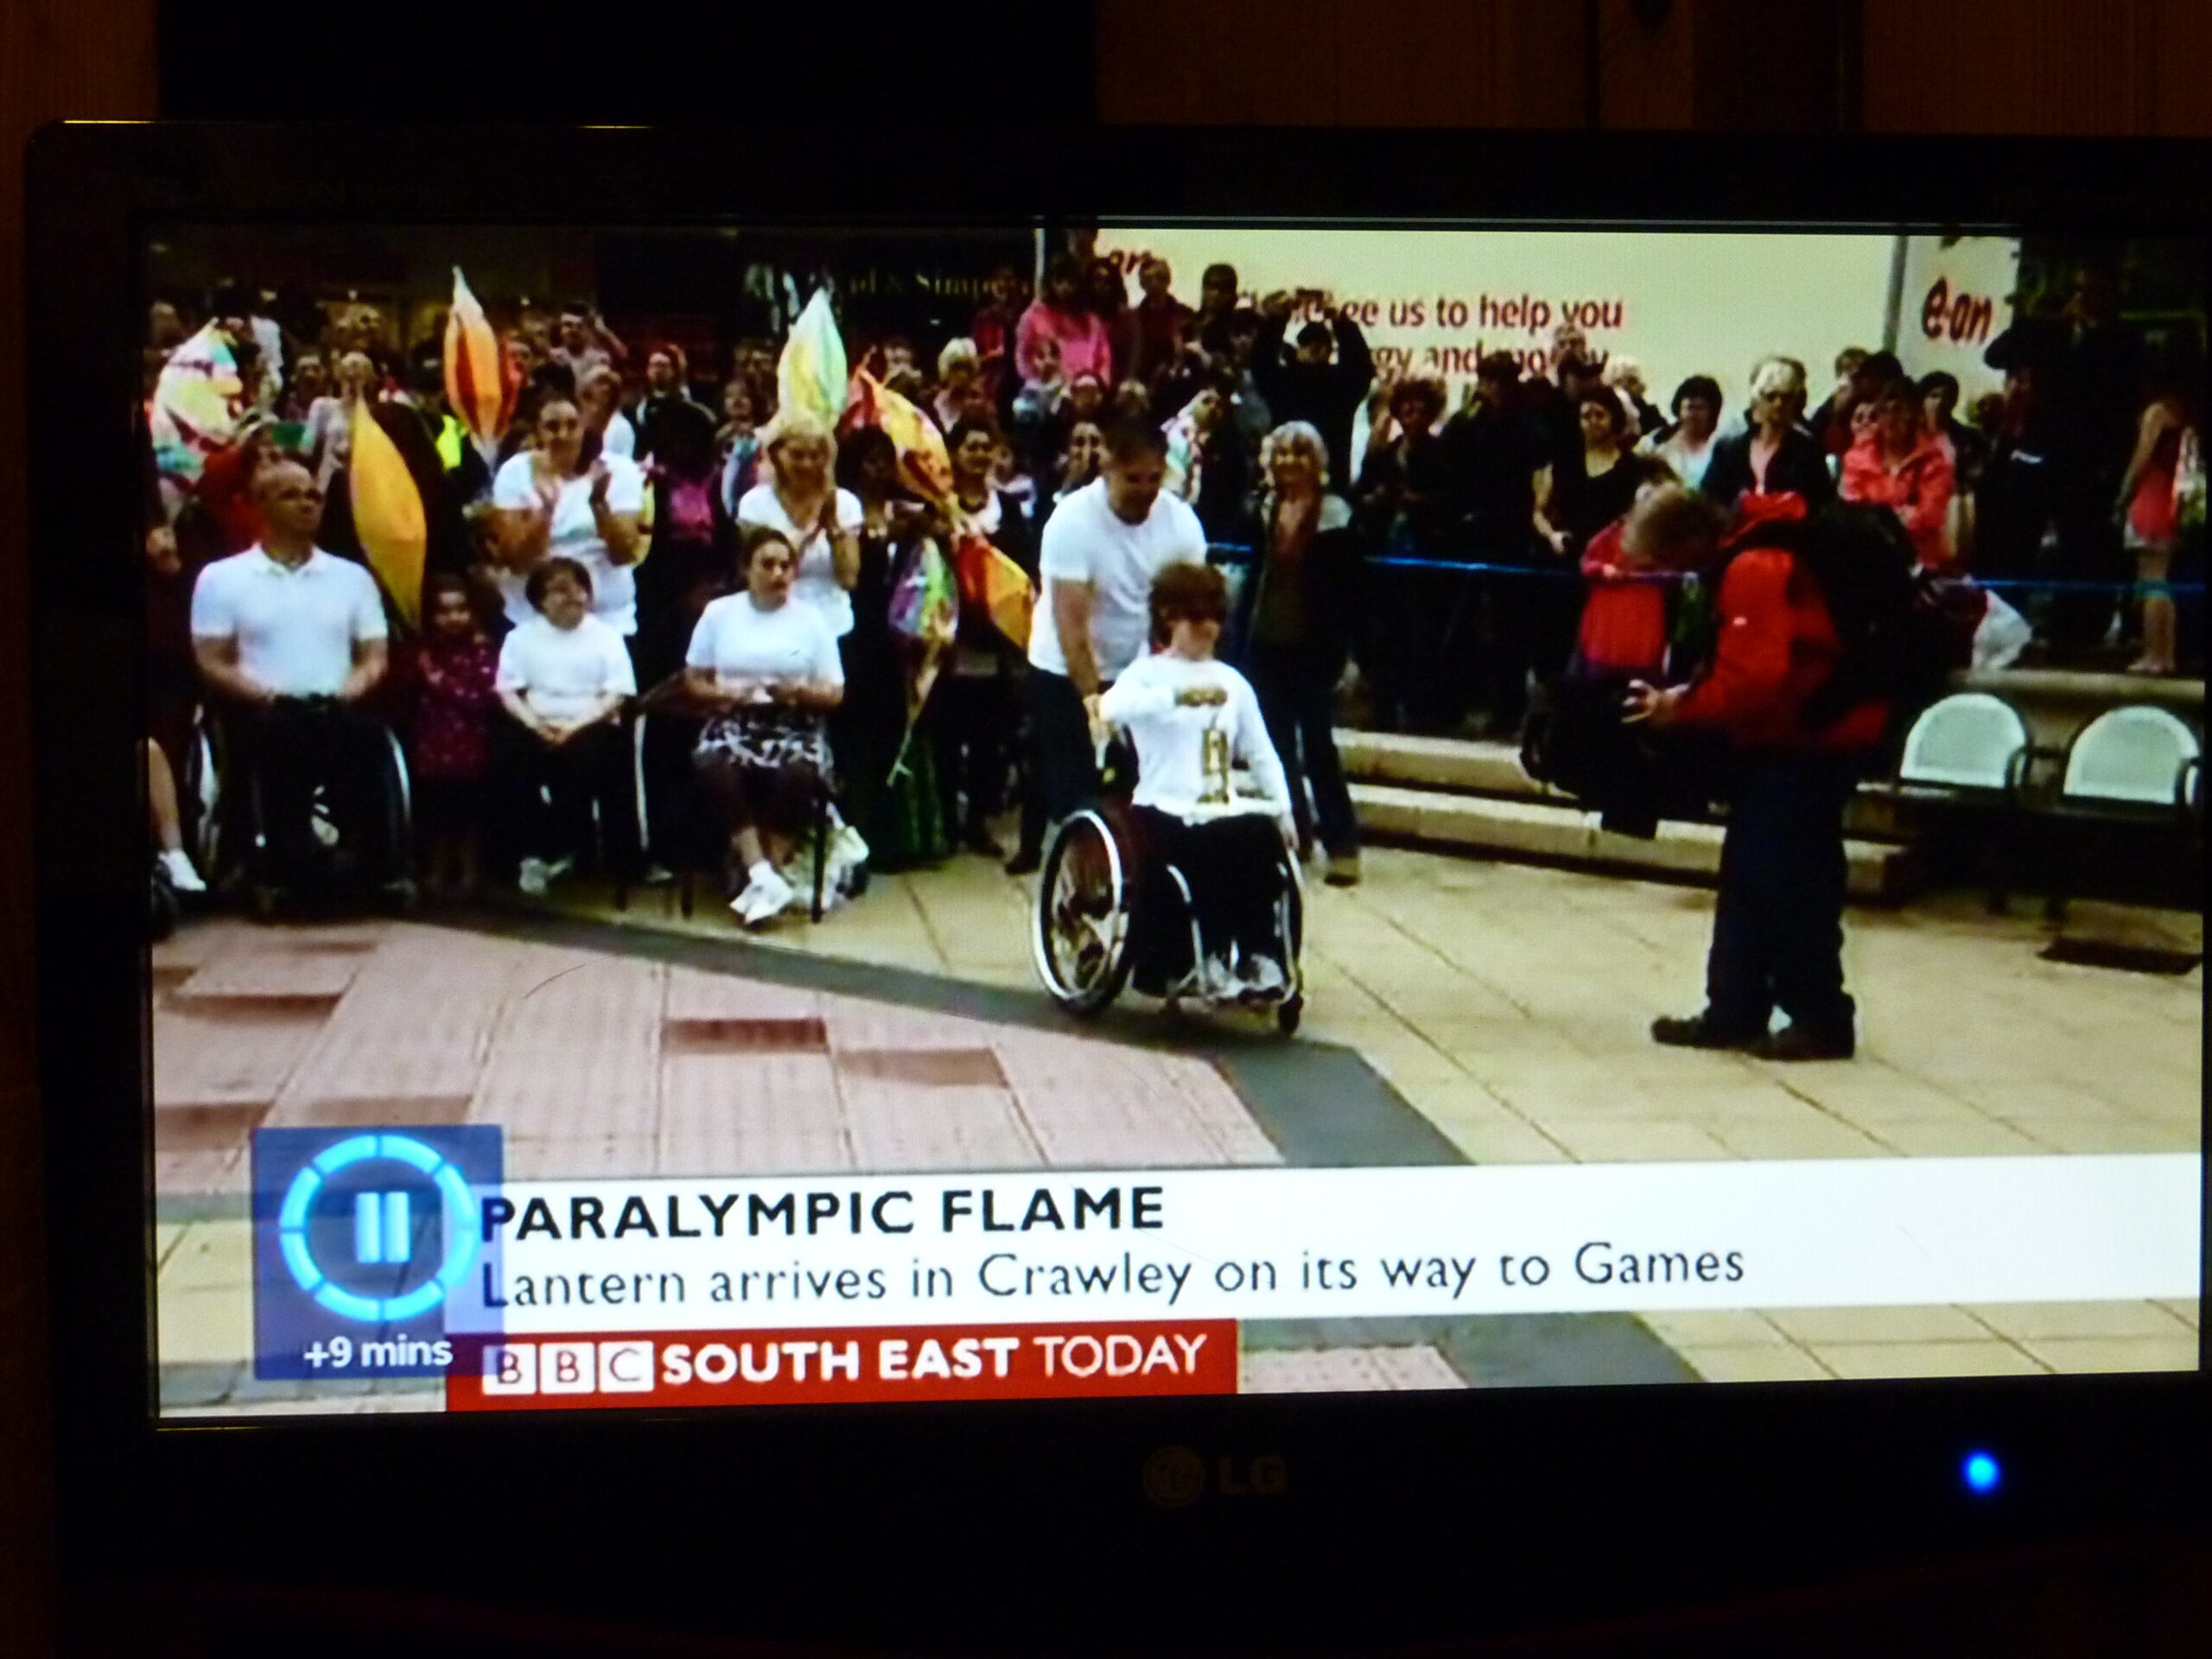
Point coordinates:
[[694, 1253]]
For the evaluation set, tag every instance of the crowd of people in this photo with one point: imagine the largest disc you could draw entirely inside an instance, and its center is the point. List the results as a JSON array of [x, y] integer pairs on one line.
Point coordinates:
[[654, 545]]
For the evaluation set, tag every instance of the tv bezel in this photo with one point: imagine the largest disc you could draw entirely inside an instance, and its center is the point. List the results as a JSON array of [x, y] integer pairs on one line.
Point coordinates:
[[1676, 1490]]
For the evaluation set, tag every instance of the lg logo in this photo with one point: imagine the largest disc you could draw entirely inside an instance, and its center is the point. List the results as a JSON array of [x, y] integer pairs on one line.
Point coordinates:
[[1175, 1476]]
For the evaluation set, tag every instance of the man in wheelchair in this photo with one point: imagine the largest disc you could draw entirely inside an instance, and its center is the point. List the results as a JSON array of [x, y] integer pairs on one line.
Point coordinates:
[[291, 640], [1192, 721]]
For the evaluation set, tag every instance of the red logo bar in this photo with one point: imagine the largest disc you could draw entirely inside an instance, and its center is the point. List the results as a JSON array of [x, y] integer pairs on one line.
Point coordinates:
[[760, 1368]]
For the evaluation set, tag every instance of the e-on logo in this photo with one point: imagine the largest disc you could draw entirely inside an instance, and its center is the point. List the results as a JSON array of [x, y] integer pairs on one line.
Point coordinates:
[[382, 1230]]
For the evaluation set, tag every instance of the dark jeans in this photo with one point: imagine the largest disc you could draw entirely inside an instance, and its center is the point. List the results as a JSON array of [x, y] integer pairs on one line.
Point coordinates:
[[591, 770], [294, 746], [1777, 933], [972, 719], [1298, 700], [1234, 868], [1067, 764]]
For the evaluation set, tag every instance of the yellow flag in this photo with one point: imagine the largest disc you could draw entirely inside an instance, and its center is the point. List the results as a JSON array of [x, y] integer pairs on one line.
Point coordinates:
[[388, 518]]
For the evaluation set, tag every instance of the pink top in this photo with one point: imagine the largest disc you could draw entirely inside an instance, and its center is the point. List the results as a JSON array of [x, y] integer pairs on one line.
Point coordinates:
[[1085, 345], [1918, 489]]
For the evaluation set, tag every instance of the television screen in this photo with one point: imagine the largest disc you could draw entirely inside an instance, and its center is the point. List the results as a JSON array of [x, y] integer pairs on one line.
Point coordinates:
[[768, 814]]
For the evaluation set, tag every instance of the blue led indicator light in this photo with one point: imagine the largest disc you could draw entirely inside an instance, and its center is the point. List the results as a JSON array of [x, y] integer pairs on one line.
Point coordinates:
[[1981, 1472]]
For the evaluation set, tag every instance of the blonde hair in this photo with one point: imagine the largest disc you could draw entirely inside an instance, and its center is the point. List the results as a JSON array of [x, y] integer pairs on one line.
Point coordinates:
[[1620, 371], [1782, 374], [1296, 437], [958, 351], [795, 425]]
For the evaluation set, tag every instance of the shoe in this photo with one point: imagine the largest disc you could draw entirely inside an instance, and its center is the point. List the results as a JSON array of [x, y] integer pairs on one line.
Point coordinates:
[[657, 875], [1796, 1042], [1264, 977], [1343, 870], [742, 902], [769, 896], [847, 851], [531, 880], [555, 868], [1698, 1031], [1216, 979], [1026, 860], [176, 863]]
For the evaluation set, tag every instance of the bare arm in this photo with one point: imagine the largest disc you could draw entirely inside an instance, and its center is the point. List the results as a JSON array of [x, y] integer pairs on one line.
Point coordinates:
[[517, 706], [370, 657], [845, 558], [520, 536], [1552, 536], [219, 666], [1071, 603], [623, 532]]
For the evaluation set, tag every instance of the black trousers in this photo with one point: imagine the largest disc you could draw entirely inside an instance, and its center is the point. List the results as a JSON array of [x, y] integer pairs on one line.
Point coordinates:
[[1234, 866], [1297, 689], [291, 748], [548, 793], [972, 719], [1066, 763], [1777, 932]]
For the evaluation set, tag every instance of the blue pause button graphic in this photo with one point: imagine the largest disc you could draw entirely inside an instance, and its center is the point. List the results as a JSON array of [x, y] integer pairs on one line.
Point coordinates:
[[381, 1232]]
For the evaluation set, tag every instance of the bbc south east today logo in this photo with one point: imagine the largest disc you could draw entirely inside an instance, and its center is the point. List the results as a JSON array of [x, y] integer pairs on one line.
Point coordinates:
[[359, 1238]]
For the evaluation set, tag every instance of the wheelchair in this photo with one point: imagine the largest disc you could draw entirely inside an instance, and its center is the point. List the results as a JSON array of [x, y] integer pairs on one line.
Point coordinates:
[[227, 831], [1094, 917]]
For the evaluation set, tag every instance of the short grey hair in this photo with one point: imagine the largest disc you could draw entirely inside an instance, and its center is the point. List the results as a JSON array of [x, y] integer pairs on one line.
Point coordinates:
[[1782, 374]]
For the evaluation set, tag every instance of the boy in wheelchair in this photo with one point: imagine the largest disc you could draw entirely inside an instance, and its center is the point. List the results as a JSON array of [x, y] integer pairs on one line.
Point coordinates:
[[1192, 719]]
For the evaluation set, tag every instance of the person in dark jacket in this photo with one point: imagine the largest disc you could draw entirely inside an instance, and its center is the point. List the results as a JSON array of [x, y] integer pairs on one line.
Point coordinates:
[[1495, 449], [1323, 384], [1294, 629], [1775, 455], [1780, 690]]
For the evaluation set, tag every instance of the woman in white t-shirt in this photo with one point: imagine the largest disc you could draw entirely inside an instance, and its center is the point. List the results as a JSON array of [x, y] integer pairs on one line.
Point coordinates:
[[800, 499], [765, 666], [563, 676], [1194, 721], [547, 503], [598, 397]]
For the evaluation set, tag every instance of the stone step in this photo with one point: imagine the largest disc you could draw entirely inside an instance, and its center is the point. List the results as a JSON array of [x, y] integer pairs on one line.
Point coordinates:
[[1468, 765], [1562, 833]]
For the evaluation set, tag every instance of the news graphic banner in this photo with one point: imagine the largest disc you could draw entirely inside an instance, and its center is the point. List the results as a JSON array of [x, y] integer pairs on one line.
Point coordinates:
[[384, 1253]]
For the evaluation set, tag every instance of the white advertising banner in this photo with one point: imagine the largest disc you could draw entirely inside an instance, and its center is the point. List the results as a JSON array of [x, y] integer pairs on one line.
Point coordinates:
[[1957, 297], [694, 1254], [1680, 302]]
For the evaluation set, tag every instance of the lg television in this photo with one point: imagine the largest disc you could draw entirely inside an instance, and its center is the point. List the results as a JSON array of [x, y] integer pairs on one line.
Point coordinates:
[[620, 1032]]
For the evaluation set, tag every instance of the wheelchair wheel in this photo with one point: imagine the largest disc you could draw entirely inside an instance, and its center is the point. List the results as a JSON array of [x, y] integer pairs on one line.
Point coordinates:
[[1082, 934]]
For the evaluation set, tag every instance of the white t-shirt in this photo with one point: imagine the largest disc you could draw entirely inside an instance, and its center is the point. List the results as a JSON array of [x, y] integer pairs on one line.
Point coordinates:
[[296, 628], [575, 535], [1086, 540], [739, 641], [816, 581], [1171, 736], [564, 673], [620, 438]]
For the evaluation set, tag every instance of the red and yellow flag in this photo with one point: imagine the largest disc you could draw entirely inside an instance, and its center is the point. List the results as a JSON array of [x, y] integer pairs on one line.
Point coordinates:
[[388, 517], [480, 379], [922, 462], [994, 585]]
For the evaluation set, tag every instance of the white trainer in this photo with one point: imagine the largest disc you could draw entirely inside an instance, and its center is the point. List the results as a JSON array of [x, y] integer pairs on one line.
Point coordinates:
[[177, 863], [1263, 976], [532, 878], [769, 895]]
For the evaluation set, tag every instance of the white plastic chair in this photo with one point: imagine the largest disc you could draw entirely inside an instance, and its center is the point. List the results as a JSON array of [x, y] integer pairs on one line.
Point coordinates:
[[2140, 755], [1970, 742]]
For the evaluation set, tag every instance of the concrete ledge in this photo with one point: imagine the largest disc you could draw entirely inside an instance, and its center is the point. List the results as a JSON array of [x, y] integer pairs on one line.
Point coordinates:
[[1554, 832]]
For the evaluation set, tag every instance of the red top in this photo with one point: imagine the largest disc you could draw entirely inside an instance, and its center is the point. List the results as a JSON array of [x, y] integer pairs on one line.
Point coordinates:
[[1778, 645], [452, 717], [223, 491], [1918, 489], [1624, 618]]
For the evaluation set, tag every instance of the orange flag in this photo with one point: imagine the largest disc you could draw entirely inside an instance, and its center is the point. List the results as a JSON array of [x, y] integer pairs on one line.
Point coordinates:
[[388, 516], [994, 585], [922, 462], [480, 380]]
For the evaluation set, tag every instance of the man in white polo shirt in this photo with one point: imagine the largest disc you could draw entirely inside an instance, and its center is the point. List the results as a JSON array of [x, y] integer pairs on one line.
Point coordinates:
[[289, 640], [1100, 551]]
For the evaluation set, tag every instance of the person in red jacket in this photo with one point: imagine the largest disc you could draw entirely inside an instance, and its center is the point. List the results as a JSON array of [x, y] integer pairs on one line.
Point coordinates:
[[1798, 739]]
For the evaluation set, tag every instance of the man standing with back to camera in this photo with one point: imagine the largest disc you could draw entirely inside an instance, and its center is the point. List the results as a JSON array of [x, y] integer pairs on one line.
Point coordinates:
[[1101, 549], [1801, 714]]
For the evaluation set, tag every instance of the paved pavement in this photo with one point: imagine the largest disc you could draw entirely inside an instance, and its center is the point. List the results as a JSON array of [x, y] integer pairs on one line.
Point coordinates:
[[1490, 1012]]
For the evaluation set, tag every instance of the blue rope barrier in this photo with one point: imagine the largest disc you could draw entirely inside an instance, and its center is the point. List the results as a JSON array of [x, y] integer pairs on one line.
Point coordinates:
[[1240, 555]]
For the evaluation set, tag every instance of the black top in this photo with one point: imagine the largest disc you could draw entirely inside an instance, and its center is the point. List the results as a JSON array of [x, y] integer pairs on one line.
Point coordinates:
[[1800, 466], [1326, 395], [1494, 454]]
